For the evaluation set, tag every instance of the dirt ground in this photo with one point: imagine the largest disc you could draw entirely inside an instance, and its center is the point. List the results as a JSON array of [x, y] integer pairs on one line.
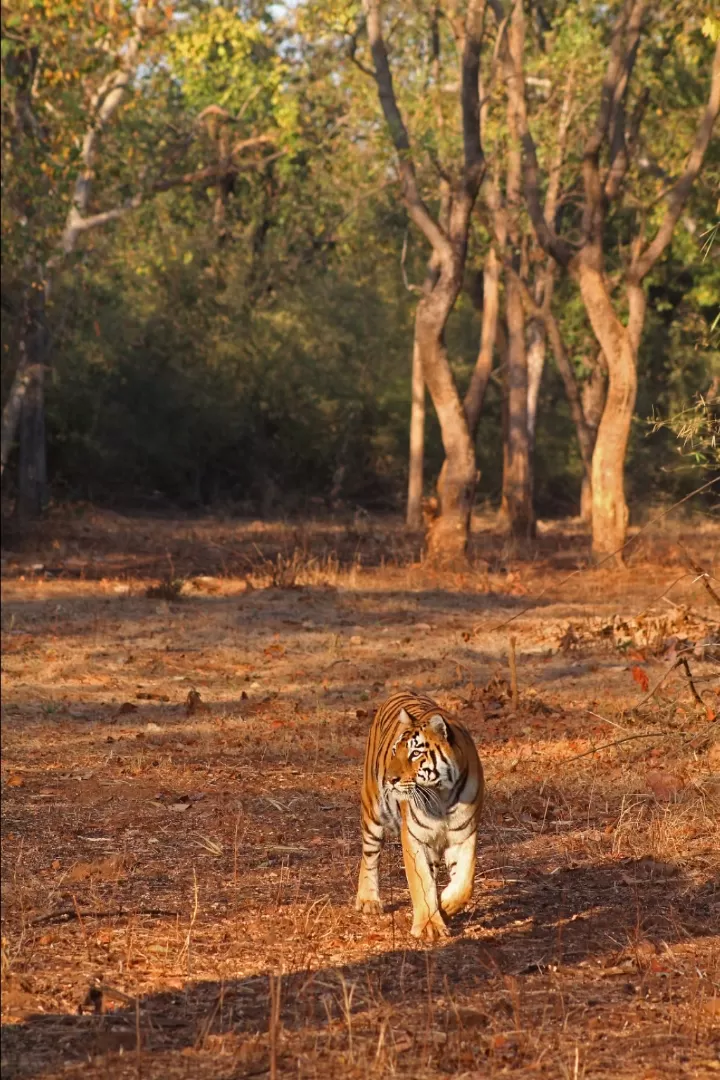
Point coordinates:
[[185, 708]]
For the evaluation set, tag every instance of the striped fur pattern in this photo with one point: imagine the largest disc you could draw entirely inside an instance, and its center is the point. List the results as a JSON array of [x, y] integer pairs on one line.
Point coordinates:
[[423, 779]]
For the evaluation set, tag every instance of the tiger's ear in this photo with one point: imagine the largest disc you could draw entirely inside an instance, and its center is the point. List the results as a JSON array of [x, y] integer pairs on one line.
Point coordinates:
[[439, 726], [404, 719]]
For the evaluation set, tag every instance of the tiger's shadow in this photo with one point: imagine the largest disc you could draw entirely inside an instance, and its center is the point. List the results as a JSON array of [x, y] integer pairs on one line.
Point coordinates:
[[578, 919]]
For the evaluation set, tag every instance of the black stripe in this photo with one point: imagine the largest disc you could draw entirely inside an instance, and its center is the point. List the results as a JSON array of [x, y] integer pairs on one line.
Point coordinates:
[[458, 785], [459, 828], [415, 838]]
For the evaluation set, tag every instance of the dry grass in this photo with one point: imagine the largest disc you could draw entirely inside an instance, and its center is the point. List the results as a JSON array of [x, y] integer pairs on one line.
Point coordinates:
[[180, 787]]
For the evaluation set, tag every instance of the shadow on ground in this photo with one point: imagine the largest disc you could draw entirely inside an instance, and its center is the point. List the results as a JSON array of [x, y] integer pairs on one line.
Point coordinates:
[[609, 927]]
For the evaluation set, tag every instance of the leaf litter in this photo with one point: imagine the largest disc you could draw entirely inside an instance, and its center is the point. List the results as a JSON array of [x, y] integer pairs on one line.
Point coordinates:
[[230, 832]]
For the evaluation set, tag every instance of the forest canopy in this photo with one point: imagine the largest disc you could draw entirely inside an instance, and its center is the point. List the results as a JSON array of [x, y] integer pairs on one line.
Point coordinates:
[[220, 244]]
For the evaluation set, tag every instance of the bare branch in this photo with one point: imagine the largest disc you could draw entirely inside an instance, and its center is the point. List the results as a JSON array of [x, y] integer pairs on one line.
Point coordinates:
[[645, 261], [418, 211], [619, 157], [105, 103], [210, 175], [352, 50], [548, 239], [620, 63], [470, 95]]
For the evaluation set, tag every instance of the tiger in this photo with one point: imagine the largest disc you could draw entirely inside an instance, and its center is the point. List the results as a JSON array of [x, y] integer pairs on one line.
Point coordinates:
[[422, 778]]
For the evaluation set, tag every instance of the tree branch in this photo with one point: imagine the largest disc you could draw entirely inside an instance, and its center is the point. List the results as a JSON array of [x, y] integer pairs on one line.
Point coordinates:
[[105, 103], [645, 261], [564, 366], [470, 96], [548, 239], [617, 74], [417, 210], [210, 174]]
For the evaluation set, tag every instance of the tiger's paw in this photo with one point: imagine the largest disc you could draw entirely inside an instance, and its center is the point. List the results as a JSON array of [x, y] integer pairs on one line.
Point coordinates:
[[451, 905], [432, 929], [369, 907]]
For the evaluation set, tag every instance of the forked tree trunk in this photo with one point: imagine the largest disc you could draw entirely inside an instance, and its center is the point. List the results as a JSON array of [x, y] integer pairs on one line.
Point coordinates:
[[585, 258], [417, 443], [448, 536]]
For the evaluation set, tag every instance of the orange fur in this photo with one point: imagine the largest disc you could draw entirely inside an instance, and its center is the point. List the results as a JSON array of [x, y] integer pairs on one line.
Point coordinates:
[[423, 778]]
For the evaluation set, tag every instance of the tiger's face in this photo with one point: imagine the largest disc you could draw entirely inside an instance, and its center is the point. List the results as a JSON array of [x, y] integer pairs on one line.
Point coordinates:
[[421, 765]]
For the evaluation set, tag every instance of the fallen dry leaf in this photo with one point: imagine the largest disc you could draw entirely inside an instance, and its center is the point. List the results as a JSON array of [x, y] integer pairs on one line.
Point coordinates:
[[640, 678]]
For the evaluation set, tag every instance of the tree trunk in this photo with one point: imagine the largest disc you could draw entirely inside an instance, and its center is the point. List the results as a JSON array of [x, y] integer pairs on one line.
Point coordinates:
[[449, 533], [593, 403], [536, 341], [32, 474], [13, 406], [517, 498], [585, 430], [414, 518], [475, 395], [609, 508]]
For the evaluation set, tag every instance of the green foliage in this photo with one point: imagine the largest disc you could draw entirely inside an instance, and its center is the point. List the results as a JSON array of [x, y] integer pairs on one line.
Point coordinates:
[[251, 342]]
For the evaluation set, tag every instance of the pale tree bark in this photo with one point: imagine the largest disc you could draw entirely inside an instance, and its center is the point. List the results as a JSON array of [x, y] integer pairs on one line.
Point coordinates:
[[517, 494], [594, 390], [24, 375], [105, 102], [618, 341], [545, 280], [477, 387], [449, 533], [414, 517], [585, 429], [523, 372]]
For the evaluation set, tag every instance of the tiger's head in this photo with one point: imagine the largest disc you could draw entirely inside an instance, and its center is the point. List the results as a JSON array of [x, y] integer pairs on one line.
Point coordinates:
[[422, 766]]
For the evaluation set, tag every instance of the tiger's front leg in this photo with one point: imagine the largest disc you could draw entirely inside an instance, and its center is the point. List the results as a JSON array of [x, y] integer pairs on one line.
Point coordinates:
[[428, 922], [368, 893], [460, 861]]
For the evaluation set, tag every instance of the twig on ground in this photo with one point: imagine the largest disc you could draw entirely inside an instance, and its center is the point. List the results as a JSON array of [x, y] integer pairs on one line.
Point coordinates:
[[658, 684], [605, 719], [704, 577], [663, 596], [138, 1045], [618, 742], [70, 915], [688, 672], [677, 662]]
